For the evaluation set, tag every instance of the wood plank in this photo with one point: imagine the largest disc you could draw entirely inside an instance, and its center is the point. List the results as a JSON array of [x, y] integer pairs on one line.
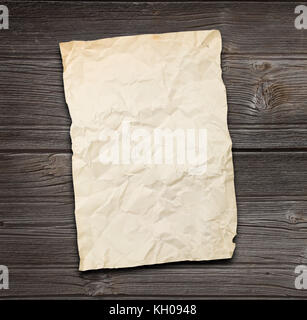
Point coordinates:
[[38, 242], [35, 175], [41, 232], [260, 90], [57, 139], [205, 282], [264, 27], [264, 87], [256, 174], [266, 91]]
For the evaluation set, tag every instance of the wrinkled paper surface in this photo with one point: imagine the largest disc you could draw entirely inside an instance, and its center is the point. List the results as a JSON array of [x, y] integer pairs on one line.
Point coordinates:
[[139, 213]]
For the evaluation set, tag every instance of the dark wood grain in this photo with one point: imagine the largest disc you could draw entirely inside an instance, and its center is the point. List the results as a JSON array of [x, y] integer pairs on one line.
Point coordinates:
[[41, 233], [261, 27], [267, 101], [261, 91], [156, 282], [264, 63], [57, 138], [256, 174], [263, 264]]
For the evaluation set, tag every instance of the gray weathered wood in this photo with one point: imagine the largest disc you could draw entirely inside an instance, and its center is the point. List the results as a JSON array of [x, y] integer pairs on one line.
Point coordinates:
[[42, 233], [256, 174], [260, 27], [261, 91], [200, 281], [57, 139], [266, 98], [264, 63]]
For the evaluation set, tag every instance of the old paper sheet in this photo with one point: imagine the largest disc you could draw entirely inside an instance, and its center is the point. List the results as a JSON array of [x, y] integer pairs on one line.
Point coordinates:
[[152, 162]]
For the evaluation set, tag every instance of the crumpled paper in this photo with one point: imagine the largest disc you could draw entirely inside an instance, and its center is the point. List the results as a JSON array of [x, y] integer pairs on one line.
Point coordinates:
[[133, 205]]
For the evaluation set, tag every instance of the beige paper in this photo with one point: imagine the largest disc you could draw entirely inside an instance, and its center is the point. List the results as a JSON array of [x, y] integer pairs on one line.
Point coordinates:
[[152, 162]]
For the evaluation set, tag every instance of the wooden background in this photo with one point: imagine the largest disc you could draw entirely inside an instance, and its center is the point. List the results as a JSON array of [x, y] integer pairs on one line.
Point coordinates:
[[265, 72]]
